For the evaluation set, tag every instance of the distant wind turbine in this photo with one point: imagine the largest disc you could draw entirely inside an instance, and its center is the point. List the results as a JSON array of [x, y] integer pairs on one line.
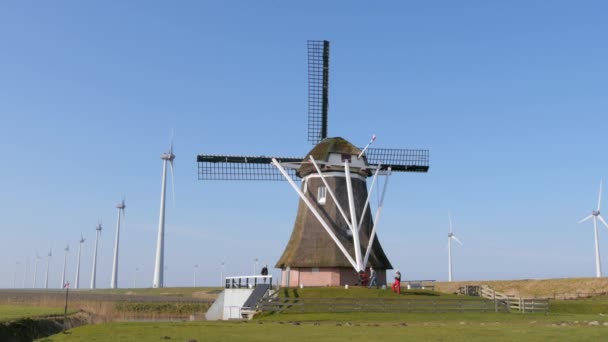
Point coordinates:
[[17, 263], [27, 270], [77, 278], [121, 210], [65, 263], [595, 214], [158, 280], [94, 272], [48, 265], [451, 237], [38, 258]]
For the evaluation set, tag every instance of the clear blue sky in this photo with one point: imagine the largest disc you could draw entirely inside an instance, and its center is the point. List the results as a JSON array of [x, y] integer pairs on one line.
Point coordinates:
[[510, 98]]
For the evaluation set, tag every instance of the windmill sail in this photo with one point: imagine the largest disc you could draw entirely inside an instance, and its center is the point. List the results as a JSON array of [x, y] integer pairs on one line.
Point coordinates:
[[216, 167], [318, 89], [399, 160]]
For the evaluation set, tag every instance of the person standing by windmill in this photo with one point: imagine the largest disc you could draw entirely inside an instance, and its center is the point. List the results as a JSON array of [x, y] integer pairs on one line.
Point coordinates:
[[265, 272], [372, 278], [397, 282]]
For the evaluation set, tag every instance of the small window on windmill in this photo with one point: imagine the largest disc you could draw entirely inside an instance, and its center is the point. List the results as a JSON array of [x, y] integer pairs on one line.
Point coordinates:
[[346, 157], [321, 195], [314, 270]]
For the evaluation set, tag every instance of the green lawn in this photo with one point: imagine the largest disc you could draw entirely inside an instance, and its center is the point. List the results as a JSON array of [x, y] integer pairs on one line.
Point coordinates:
[[11, 312], [596, 305], [413, 327], [581, 320]]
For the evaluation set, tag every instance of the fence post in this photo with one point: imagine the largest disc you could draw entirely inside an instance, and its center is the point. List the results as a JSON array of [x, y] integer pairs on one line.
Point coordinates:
[[508, 304], [495, 303]]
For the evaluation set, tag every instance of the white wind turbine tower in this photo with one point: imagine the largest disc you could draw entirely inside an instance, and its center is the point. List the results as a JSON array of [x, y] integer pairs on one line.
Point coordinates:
[[76, 280], [38, 258], [451, 237], [121, 210], [158, 280], [65, 262], [595, 214], [94, 273], [48, 264], [27, 270]]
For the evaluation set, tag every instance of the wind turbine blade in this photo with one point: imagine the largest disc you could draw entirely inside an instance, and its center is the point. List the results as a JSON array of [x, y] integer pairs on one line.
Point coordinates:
[[602, 220], [172, 184], [171, 144], [585, 219], [455, 238], [599, 197], [450, 219]]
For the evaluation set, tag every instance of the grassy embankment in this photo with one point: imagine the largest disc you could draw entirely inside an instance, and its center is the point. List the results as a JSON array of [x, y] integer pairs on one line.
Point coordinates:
[[581, 320], [12, 312], [184, 292], [565, 288], [107, 307]]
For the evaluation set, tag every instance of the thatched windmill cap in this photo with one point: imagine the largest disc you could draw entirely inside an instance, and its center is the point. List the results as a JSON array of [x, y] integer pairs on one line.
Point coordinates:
[[324, 149]]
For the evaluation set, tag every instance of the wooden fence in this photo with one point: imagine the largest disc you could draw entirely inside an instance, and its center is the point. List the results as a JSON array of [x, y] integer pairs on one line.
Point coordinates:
[[302, 305], [514, 303]]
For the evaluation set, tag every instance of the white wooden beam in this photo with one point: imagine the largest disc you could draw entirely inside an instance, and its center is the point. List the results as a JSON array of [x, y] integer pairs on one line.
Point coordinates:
[[315, 212], [378, 212]]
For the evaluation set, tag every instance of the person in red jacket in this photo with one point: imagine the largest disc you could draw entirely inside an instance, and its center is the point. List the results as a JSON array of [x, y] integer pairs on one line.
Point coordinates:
[[397, 282]]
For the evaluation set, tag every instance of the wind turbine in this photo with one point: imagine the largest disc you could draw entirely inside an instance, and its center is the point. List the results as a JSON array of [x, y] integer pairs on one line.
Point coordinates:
[[195, 271], [48, 264], [65, 262], [595, 214], [78, 262], [94, 273], [121, 210], [38, 258], [17, 263], [158, 280], [27, 270], [451, 237]]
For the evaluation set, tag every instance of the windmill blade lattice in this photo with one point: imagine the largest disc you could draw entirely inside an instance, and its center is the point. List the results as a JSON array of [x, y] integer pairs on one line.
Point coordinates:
[[318, 89], [399, 160], [256, 168]]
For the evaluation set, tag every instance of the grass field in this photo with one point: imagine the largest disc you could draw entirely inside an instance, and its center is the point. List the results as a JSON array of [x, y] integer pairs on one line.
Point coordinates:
[[579, 320], [11, 312], [356, 327]]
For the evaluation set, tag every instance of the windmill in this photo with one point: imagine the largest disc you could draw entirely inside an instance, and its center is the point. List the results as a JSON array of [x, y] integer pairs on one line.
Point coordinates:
[[159, 280], [334, 233], [38, 259], [595, 214], [65, 263], [94, 272], [121, 210], [77, 278], [48, 264], [451, 237]]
